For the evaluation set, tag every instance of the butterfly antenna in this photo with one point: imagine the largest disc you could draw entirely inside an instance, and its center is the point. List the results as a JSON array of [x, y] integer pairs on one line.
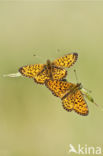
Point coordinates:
[[62, 50], [96, 104], [99, 106], [76, 75], [37, 56]]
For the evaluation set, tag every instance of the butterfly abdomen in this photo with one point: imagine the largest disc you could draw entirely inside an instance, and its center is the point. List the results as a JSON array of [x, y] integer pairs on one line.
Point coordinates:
[[72, 90], [48, 64], [49, 69]]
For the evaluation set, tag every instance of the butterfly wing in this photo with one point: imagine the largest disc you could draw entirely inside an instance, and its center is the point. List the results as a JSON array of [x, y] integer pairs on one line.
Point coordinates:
[[68, 103], [46, 74], [80, 105], [66, 61], [31, 70], [42, 77], [57, 87], [58, 73], [75, 101]]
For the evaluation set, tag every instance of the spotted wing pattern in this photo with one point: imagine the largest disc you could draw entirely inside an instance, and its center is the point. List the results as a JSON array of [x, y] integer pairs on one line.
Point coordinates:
[[47, 74], [42, 77], [31, 70], [68, 103], [40, 74], [80, 105], [66, 61], [54, 71], [58, 88], [76, 102], [58, 73]]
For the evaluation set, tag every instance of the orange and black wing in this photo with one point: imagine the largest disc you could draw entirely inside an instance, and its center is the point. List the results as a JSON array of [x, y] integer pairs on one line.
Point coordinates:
[[58, 88], [75, 101], [80, 105], [36, 71], [42, 77], [31, 70], [66, 61], [58, 73], [68, 102]]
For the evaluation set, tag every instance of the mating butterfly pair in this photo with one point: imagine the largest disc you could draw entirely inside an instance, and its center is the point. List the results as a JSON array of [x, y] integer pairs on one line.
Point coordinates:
[[52, 75]]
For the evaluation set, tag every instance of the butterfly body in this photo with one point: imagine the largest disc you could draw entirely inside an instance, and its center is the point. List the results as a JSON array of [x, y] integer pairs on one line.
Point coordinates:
[[49, 69], [72, 89]]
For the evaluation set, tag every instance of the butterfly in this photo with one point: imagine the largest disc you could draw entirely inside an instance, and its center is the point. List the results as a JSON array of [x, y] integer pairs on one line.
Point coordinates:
[[72, 95], [51, 70]]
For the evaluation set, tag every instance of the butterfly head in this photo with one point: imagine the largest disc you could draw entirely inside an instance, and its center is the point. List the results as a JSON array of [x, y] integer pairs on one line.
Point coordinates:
[[79, 86], [48, 62]]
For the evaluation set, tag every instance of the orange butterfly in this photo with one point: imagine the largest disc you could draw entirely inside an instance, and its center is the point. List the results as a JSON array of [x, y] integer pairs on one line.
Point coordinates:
[[70, 94], [51, 70]]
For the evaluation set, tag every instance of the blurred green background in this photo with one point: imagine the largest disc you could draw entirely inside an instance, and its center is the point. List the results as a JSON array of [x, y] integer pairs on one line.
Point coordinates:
[[32, 120]]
